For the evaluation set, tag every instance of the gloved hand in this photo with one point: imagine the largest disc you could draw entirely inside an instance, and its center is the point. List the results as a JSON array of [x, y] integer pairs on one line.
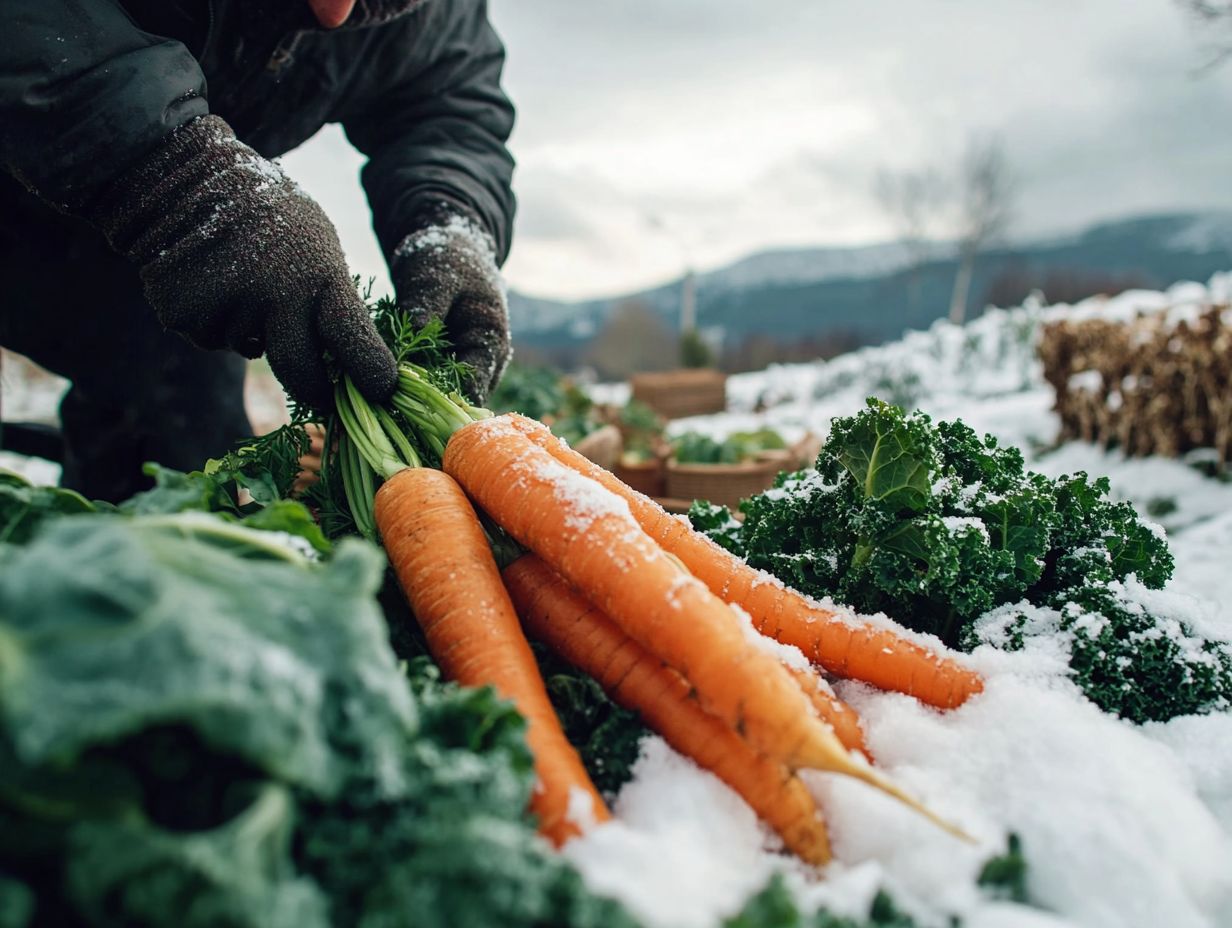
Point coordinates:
[[446, 269], [235, 255]]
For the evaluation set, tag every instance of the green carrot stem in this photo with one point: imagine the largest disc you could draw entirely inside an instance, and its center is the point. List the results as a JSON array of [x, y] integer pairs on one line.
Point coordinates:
[[365, 430], [397, 437], [357, 484]]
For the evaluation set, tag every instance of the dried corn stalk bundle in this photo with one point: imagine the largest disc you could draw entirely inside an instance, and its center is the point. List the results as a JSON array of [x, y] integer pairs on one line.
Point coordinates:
[[1153, 385]]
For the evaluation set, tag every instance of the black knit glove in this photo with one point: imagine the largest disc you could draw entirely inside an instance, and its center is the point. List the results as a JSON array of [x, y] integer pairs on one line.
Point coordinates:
[[235, 255], [447, 270]]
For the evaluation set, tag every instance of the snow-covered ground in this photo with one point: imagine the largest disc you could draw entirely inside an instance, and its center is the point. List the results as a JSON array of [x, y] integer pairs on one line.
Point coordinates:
[[1121, 825]]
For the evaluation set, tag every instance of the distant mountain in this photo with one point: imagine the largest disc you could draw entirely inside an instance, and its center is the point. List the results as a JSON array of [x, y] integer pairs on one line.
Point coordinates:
[[871, 294]]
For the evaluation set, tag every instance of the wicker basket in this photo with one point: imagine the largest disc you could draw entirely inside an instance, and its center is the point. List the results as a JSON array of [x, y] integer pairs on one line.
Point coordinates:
[[676, 394], [649, 477], [601, 446], [779, 458], [725, 484]]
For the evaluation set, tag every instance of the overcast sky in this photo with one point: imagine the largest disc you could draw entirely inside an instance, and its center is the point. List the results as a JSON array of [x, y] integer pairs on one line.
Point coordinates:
[[652, 133]]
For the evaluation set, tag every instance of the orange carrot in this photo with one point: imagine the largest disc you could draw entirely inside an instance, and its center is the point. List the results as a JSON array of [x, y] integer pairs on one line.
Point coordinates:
[[838, 643], [441, 557], [556, 614], [840, 716], [588, 535]]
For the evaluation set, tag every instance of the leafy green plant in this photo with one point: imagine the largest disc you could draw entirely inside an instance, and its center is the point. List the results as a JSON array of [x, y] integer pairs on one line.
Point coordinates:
[[23, 506], [532, 391], [694, 352], [1005, 875], [936, 527], [696, 448], [608, 738], [774, 907], [641, 429], [1129, 661], [201, 725]]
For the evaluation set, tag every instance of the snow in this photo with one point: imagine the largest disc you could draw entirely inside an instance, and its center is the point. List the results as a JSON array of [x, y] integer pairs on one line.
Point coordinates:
[[1121, 825]]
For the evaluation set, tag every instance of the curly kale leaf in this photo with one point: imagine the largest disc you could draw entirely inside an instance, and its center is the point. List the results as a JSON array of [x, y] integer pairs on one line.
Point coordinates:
[[1140, 666], [237, 874], [718, 523], [452, 848], [889, 456], [608, 737], [881, 525], [1096, 538], [981, 480]]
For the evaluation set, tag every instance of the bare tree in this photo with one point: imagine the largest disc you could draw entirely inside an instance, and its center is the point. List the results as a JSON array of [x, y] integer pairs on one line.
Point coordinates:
[[911, 199], [1214, 17], [985, 208], [634, 338]]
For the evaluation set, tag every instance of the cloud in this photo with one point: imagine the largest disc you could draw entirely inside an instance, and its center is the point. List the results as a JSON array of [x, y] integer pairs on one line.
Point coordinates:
[[653, 135]]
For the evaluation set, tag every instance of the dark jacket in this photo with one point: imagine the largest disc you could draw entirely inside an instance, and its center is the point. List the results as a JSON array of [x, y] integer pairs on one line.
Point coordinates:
[[87, 87]]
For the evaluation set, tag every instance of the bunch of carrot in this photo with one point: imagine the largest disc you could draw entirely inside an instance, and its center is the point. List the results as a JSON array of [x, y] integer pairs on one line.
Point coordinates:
[[625, 592]]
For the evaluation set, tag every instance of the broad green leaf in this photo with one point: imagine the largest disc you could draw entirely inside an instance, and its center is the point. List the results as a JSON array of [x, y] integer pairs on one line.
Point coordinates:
[[24, 507], [115, 625], [887, 461]]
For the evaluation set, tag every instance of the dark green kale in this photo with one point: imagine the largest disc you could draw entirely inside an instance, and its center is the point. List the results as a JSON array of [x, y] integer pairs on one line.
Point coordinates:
[[774, 907], [903, 518], [607, 737], [24, 507], [1098, 540], [1005, 876], [936, 526], [718, 523], [1130, 662]]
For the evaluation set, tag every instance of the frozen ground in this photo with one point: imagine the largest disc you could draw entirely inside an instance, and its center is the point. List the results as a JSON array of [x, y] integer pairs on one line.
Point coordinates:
[[1121, 825]]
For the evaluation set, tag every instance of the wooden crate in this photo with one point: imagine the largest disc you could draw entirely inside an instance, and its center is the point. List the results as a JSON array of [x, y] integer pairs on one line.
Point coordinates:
[[648, 477], [725, 484], [681, 393]]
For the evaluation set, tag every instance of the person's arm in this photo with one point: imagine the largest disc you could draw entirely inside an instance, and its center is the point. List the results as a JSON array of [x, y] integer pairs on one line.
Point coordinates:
[[438, 176], [434, 123], [84, 93], [110, 124]]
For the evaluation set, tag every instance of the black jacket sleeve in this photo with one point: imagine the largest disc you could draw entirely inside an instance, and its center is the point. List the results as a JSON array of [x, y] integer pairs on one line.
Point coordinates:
[[84, 93], [434, 125]]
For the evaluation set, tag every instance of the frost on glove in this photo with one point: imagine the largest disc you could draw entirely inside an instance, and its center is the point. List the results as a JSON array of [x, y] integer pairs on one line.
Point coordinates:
[[446, 270], [235, 255]]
